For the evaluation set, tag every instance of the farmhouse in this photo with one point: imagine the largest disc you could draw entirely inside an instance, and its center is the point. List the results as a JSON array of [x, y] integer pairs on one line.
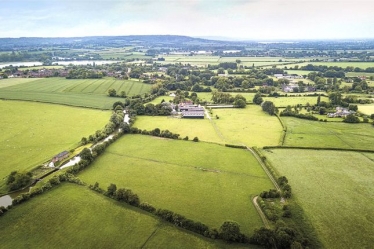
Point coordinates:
[[60, 156], [340, 112]]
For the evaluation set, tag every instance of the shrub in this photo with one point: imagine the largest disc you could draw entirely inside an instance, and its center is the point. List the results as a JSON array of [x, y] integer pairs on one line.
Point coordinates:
[[195, 139]]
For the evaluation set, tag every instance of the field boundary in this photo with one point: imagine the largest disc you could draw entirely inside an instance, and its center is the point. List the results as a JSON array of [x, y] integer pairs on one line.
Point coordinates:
[[317, 148], [264, 168], [259, 211]]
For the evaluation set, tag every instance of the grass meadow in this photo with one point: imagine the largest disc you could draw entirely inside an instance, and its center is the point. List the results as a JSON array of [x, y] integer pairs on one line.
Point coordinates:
[[335, 189], [292, 100], [366, 109], [202, 181], [74, 216], [307, 133], [76, 92], [31, 133], [250, 126], [234, 126], [201, 128]]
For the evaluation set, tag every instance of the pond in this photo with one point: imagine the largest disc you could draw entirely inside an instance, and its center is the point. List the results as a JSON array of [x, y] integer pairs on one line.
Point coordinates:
[[6, 200]]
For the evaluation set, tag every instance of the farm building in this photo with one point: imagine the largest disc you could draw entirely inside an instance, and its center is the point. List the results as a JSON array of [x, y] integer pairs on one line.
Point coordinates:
[[192, 114], [190, 110], [340, 112], [60, 156]]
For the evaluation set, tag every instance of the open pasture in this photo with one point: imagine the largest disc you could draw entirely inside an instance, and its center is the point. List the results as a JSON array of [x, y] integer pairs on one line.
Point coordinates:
[[79, 92], [204, 182], [307, 133], [201, 128], [294, 100], [366, 109], [335, 189], [250, 126], [31, 133], [74, 216]]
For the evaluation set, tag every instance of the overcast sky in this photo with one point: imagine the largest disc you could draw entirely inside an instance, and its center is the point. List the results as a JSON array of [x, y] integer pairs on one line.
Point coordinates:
[[237, 19]]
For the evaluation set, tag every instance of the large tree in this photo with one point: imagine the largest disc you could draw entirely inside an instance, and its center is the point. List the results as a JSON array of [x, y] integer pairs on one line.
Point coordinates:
[[257, 99]]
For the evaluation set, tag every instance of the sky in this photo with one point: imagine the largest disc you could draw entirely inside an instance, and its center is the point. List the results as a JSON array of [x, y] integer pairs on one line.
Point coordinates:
[[259, 20]]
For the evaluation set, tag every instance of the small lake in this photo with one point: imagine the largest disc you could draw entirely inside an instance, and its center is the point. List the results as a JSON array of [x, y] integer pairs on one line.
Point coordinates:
[[62, 63]]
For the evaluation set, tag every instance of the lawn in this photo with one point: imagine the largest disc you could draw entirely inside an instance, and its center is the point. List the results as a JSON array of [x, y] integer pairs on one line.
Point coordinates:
[[80, 92], [362, 65], [335, 189], [73, 216], [31, 133], [307, 133], [202, 181]]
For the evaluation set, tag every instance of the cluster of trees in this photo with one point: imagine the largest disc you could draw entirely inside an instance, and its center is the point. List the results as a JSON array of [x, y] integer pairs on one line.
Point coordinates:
[[83, 73], [115, 122], [17, 180], [285, 187], [155, 132], [282, 237], [226, 98], [288, 112], [54, 181], [113, 93]]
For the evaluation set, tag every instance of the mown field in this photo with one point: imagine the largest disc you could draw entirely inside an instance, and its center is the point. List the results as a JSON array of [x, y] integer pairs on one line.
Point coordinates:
[[335, 189], [31, 133], [74, 216], [202, 181], [307, 133], [81, 92]]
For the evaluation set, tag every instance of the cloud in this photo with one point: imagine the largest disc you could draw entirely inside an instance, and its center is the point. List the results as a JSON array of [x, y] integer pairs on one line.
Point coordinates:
[[256, 19]]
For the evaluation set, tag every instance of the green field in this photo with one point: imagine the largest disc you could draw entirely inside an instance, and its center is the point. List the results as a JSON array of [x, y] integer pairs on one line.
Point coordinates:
[[234, 126], [73, 216], [202, 181], [81, 92], [31, 133], [335, 189], [203, 128], [292, 101], [366, 109], [250, 126], [307, 133]]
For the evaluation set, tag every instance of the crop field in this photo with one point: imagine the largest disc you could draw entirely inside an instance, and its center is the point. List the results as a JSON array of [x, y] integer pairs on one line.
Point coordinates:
[[307, 133], [335, 189], [202, 181], [85, 92], [292, 101], [202, 128], [246, 126], [13, 82], [31, 133], [64, 217]]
